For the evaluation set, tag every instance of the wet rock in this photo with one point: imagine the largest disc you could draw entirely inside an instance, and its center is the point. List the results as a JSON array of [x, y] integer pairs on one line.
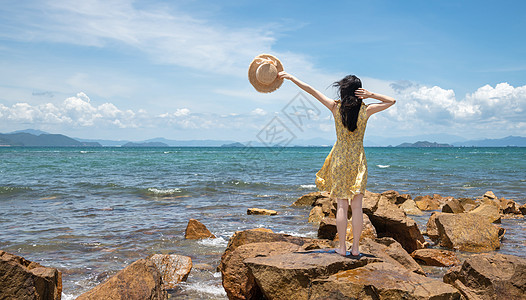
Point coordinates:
[[316, 214], [310, 198], [453, 206], [410, 208], [173, 268], [389, 250], [490, 276], [380, 281], [368, 232], [140, 280], [467, 232], [289, 275], [427, 203], [436, 257], [261, 211], [391, 221], [259, 236], [489, 212], [508, 206], [24, 279], [522, 209], [238, 282], [431, 227], [327, 229], [196, 230]]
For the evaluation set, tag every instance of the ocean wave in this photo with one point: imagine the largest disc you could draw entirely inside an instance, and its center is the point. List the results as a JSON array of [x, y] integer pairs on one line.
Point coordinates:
[[164, 192], [217, 242], [383, 166], [204, 288], [308, 186], [7, 190]]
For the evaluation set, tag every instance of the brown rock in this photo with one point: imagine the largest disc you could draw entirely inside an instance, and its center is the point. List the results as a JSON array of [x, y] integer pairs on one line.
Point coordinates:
[[328, 207], [490, 212], [490, 195], [238, 282], [196, 230], [173, 268], [427, 203], [316, 214], [436, 257], [508, 206], [310, 198], [370, 202], [327, 229], [389, 250], [368, 231], [467, 232], [467, 203], [140, 280], [288, 276], [410, 208], [522, 208], [391, 221], [257, 236], [431, 227], [490, 276], [453, 206], [261, 211], [24, 279], [391, 195], [380, 281]]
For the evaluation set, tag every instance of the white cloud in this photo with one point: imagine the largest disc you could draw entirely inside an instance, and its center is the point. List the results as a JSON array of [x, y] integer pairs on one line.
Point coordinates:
[[259, 111]]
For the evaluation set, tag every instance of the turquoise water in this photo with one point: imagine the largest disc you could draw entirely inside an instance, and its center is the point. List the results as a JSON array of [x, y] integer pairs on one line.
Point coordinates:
[[91, 211]]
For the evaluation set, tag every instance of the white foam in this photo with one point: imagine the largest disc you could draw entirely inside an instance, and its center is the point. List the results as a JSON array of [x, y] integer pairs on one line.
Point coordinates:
[[308, 186], [68, 296], [383, 166], [206, 288], [161, 192], [217, 242]]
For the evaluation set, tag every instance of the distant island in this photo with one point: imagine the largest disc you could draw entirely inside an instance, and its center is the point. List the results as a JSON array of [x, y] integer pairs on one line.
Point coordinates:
[[149, 144], [424, 144], [236, 145], [23, 139]]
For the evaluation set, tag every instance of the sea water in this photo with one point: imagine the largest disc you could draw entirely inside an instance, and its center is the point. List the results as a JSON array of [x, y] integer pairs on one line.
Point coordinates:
[[91, 211]]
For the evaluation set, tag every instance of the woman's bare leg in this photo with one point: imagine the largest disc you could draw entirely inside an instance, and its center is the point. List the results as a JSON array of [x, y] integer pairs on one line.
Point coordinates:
[[357, 223], [341, 225]]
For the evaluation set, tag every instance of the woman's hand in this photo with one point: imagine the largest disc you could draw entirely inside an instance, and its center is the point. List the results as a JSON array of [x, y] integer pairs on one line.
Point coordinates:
[[363, 93], [285, 75]]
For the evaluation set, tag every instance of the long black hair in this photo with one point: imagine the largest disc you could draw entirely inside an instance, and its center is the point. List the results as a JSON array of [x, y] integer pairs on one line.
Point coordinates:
[[350, 104]]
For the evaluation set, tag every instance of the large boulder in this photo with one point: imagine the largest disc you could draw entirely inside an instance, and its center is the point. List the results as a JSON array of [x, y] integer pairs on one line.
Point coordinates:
[[453, 206], [522, 209], [490, 276], [410, 208], [370, 202], [508, 206], [289, 275], [368, 231], [327, 229], [261, 235], [427, 203], [310, 198], [173, 268], [389, 250], [395, 197], [380, 281], [488, 211], [196, 230], [467, 232], [431, 227], [140, 280], [237, 281], [24, 279], [391, 221], [316, 214], [436, 257]]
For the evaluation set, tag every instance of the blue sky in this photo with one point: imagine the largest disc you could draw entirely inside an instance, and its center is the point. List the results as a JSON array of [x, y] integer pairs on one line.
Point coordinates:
[[178, 69]]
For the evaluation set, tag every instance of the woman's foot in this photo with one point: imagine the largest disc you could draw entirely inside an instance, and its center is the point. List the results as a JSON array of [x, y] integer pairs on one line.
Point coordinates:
[[342, 253]]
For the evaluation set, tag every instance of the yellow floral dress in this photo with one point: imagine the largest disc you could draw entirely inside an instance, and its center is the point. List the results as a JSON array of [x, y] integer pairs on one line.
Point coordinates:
[[344, 173]]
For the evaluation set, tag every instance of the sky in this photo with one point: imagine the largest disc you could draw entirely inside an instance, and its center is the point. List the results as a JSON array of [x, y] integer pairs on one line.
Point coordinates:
[[178, 69]]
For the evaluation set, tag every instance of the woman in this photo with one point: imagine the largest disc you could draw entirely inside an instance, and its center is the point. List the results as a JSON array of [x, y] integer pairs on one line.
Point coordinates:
[[344, 173]]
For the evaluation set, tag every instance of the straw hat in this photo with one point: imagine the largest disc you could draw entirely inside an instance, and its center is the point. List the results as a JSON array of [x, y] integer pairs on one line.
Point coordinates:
[[263, 73]]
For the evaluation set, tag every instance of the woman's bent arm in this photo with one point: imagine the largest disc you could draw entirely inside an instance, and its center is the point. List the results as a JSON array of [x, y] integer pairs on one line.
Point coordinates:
[[375, 107], [328, 102]]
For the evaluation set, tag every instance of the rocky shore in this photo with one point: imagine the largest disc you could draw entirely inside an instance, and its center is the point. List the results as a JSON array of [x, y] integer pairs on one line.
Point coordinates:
[[461, 235]]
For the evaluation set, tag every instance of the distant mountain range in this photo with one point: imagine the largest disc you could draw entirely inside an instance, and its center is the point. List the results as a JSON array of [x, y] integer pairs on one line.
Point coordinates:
[[37, 138]]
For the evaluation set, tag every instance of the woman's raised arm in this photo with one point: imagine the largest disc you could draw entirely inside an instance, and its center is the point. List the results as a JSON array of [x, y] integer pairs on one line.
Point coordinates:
[[328, 102], [375, 107]]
